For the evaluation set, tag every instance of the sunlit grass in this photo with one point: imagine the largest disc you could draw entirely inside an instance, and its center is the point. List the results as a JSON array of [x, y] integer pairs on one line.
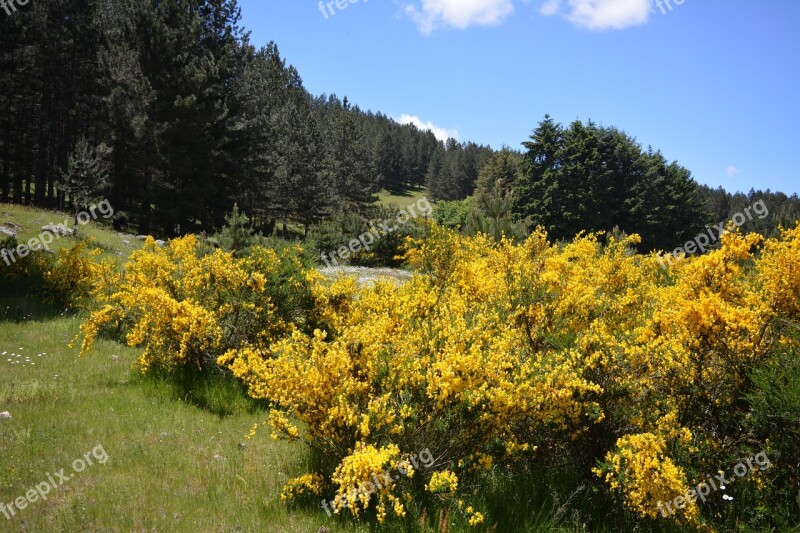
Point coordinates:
[[31, 220], [401, 200], [178, 463]]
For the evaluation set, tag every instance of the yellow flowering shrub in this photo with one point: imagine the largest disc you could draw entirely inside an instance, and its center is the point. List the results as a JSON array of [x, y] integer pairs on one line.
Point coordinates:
[[185, 308], [501, 353], [778, 270], [75, 275], [499, 357], [69, 278]]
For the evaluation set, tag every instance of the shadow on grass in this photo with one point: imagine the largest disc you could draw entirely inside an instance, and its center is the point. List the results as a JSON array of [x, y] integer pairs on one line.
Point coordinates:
[[404, 192], [18, 307], [541, 500], [211, 389], [555, 499]]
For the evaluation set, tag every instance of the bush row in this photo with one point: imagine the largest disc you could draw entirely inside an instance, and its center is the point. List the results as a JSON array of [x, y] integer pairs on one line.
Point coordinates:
[[502, 360]]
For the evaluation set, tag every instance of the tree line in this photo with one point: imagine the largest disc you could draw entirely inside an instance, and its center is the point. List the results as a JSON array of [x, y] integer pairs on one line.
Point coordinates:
[[585, 177], [184, 118], [167, 110]]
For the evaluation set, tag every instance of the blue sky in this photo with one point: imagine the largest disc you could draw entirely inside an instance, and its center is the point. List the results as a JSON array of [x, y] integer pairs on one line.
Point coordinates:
[[713, 84]]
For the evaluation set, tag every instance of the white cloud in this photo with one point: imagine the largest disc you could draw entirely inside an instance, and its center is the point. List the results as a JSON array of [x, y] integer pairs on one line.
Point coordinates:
[[432, 14], [601, 14], [551, 7], [608, 14], [732, 171], [441, 133]]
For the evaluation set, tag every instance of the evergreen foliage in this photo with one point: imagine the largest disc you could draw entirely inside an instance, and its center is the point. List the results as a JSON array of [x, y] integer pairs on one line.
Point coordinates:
[[167, 110]]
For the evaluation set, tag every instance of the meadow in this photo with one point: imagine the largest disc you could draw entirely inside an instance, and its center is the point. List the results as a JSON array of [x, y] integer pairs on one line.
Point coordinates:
[[179, 460], [557, 388]]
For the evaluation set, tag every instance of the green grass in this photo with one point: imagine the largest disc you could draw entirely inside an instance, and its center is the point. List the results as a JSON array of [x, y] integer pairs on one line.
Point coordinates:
[[402, 200], [179, 456], [31, 220], [178, 462]]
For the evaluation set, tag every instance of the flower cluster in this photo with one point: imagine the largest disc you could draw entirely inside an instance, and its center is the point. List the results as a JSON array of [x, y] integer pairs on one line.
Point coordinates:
[[444, 481], [186, 308], [499, 355], [307, 484], [363, 474]]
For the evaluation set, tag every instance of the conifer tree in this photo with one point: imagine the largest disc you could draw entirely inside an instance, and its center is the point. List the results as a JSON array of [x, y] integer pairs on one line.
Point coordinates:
[[86, 178]]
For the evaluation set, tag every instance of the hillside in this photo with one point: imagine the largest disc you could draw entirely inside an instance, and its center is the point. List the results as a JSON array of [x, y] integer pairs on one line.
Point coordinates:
[[178, 454]]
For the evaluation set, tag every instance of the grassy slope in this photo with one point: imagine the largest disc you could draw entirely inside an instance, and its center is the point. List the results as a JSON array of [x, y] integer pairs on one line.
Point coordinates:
[[175, 465], [177, 460], [31, 220], [402, 200]]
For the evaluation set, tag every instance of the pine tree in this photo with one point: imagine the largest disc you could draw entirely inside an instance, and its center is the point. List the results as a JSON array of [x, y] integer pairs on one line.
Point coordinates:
[[538, 193], [501, 170], [236, 235], [494, 217], [348, 161], [299, 184], [86, 178], [389, 162]]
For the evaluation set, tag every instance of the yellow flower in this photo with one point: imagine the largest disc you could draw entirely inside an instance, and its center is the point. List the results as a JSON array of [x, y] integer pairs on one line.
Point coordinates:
[[301, 486], [444, 481]]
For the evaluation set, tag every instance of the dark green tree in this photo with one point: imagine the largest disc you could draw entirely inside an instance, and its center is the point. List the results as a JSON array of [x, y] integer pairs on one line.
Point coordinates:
[[237, 233], [588, 178], [86, 178], [538, 192], [353, 178], [389, 162], [501, 170]]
